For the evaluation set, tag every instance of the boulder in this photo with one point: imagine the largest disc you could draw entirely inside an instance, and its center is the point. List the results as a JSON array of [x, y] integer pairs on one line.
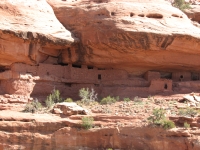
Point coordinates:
[[190, 98], [197, 98], [69, 108]]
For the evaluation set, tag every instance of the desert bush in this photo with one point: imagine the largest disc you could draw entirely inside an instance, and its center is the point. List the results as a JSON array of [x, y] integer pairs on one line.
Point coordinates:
[[87, 122], [158, 118], [117, 98], [49, 102], [53, 98], [181, 4], [167, 124], [186, 125], [108, 100], [87, 95], [33, 106], [137, 100], [187, 112], [149, 97], [68, 100], [126, 99]]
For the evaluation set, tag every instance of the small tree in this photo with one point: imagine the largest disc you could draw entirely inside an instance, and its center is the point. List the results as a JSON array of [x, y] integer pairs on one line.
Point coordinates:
[[33, 106], [53, 98], [108, 100], [87, 122], [158, 118], [186, 125], [181, 4], [87, 95]]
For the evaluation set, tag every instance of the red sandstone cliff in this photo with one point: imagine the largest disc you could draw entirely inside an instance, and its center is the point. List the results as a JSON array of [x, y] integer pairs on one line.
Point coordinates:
[[45, 132], [101, 44], [133, 35], [29, 30]]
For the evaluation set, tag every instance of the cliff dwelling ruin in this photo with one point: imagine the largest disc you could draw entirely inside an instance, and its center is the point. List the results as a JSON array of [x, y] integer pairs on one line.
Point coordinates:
[[69, 79]]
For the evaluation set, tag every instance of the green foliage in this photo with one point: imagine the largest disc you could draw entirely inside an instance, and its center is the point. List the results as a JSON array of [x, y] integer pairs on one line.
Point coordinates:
[[158, 118], [149, 97], [33, 106], [53, 98], [186, 125], [126, 99], [137, 100], [117, 98], [181, 4], [108, 100], [167, 124], [68, 100], [87, 122], [87, 95], [188, 112]]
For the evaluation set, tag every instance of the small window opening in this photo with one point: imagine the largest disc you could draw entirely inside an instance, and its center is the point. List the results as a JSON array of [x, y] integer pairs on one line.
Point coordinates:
[[89, 67], [101, 69], [165, 86], [48, 73], [99, 76], [181, 76], [97, 85], [112, 13], [68, 84], [141, 15], [63, 64], [76, 66], [131, 14]]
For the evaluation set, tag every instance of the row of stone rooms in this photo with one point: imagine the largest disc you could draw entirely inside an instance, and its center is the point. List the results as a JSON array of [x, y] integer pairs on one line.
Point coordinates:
[[104, 80]]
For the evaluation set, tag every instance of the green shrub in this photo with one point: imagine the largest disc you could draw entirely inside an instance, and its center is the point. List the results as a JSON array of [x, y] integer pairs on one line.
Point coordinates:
[[126, 99], [87, 122], [33, 106], [149, 97], [186, 125], [87, 95], [117, 98], [137, 99], [158, 118], [108, 100], [181, 4], [68, 100], [167, 124], [53, 98], [188, 112]]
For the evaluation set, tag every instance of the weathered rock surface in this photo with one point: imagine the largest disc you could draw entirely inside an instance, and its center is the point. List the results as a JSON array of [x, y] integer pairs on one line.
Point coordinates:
[[129, 35], [194, 13], [26, 131], [69, 109], [30, 32]]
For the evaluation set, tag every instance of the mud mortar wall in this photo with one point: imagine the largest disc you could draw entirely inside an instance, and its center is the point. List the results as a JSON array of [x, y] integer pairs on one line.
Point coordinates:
[[69, 79]]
